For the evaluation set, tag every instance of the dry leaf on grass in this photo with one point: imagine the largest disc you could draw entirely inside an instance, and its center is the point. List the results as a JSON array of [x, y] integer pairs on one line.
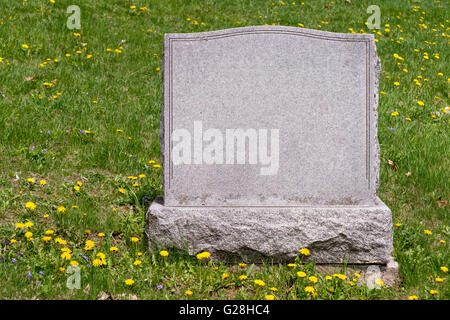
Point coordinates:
[[392, 165], [442, 203]]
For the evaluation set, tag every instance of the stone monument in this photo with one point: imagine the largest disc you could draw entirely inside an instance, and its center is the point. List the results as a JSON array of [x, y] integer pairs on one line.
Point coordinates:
[[269, 144]]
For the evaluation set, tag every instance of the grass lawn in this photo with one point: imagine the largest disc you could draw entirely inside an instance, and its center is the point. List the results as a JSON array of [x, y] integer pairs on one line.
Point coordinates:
[[79, 148]]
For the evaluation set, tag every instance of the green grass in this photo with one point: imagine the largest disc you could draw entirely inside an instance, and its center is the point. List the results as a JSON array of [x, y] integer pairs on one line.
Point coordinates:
[[126, 88]]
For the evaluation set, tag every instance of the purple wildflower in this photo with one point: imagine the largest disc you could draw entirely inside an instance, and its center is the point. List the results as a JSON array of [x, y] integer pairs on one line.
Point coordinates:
[[29, 275]]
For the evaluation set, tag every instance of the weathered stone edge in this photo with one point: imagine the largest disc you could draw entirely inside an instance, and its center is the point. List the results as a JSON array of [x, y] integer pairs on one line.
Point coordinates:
[[299, 30], [360, 235]]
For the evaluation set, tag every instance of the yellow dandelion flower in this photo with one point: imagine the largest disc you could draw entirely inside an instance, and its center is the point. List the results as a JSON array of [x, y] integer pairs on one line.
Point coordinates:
[[113, 249], [444, 269], [28, 234], [89, 245], [28, 224], [134, 239], [301, 274], [137, 262], [203, 255], [270, 297], [260, 283], [61, 209], [164, 253], [129, 282], [20, 225], [60, 241], [243, 277], [304, 251], [65, 255], [188, 292], [43, 182], [310, 289], [291, 265], [97, 262], [101, 255], [340, 276]]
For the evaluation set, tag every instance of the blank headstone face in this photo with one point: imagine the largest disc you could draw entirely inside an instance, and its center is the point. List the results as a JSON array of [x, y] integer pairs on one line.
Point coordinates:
[[269, 116]]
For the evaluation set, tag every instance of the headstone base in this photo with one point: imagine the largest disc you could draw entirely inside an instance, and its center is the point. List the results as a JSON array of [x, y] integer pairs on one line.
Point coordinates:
[[389, 272], [333, 234]]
